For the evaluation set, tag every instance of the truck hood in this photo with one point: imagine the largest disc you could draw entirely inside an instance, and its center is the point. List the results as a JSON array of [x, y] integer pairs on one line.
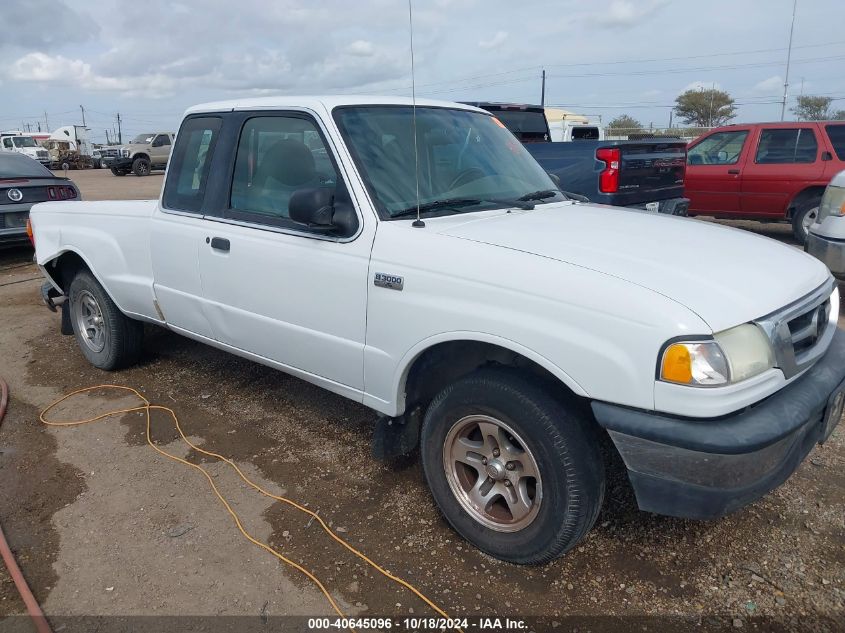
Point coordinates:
[[726, 276]]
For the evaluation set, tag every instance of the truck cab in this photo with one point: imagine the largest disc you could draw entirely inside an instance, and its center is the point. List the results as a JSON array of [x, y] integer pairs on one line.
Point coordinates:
[[23, 144]]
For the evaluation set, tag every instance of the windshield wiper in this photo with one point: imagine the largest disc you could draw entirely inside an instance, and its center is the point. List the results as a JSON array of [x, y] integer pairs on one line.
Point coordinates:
[[458, 203], [434, 205], [542, 194]]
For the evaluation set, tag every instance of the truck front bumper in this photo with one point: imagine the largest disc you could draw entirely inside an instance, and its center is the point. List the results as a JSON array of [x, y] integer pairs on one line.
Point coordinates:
[[830, 251], [706, 468], [120, 162]]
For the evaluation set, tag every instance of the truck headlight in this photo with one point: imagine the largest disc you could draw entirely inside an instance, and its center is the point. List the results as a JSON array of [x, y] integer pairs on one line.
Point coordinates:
[[124, 153], [833, 203], [733, 355]]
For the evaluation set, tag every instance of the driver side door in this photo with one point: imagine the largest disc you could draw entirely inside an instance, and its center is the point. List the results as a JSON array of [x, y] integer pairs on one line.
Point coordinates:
[[713, 180], [273, 288], [160, 149]]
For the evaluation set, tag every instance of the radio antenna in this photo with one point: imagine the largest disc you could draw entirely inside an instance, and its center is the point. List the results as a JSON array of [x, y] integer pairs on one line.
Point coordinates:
[[418, 224]]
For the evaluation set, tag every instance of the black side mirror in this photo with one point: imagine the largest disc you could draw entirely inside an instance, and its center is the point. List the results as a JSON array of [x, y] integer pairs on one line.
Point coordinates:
[[324, 210]]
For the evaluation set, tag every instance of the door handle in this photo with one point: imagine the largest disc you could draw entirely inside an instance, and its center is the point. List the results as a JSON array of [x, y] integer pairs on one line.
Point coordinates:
[[733, 171], [220, 244]]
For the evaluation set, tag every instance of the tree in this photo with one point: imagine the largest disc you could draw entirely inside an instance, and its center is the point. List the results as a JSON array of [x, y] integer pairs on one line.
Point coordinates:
[[705, 108], [810, 108], [839, 115], [624, 124]]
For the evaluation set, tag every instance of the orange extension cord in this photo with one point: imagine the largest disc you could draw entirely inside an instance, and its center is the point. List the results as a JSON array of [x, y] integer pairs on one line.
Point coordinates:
[[41, 624], [147, 407]]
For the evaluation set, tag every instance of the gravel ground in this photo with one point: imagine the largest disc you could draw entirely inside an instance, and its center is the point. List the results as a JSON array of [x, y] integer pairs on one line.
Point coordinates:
[[103, 525]]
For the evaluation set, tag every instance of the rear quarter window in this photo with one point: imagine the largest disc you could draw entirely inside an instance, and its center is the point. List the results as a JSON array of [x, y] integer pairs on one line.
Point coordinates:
[[836, 134], [189, 166]]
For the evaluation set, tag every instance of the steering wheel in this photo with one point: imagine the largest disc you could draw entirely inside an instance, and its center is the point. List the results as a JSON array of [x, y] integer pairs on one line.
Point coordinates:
[[466, 175]]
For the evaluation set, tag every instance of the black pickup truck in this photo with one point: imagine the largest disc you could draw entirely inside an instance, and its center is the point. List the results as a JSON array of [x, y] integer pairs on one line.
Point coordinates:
[[645, 174]]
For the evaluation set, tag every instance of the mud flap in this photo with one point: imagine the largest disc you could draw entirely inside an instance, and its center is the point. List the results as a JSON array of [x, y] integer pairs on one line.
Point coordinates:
[[396, 437], [67, 328]]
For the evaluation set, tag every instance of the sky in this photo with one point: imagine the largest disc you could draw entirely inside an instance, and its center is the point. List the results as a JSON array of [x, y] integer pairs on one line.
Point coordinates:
[[151, 60]]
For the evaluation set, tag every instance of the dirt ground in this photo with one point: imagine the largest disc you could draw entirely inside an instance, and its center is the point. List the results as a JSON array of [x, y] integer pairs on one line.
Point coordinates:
[[102, 525]]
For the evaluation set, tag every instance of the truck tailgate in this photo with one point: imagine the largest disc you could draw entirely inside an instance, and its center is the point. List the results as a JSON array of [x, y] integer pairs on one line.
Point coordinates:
[[653, 165]]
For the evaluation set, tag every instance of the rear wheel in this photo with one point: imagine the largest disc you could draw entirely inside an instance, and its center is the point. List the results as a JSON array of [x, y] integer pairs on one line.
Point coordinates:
[[107, 337], [141, 167], [804, 217], [516, 472]]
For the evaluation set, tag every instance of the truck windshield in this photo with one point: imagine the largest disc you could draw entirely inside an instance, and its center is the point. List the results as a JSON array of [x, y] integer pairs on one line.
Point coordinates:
[[143, 139], [24, 141], [464, 156]]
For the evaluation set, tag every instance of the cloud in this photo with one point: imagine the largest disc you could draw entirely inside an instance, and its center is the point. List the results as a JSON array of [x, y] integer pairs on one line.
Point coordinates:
[[61, 71], [44, 24], [494, 42], [702, 85], [769, 86], [361, 48], [626, 13]]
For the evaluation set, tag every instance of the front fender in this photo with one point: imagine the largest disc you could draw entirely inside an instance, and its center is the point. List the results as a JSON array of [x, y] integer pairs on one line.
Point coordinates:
[[401, 375]]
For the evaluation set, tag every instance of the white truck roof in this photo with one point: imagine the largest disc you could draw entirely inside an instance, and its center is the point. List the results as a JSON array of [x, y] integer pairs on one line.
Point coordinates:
[[316, 101]]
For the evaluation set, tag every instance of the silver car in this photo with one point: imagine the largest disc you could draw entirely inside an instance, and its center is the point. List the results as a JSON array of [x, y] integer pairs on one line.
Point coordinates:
[[826, 237], [24, 182]]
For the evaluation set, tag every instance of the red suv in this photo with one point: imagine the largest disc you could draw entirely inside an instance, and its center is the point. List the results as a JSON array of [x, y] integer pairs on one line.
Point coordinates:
[[765, 171]]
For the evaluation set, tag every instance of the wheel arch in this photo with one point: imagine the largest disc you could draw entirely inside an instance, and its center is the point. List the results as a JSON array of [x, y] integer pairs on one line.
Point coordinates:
[[63, 267], [807, 193], [438, 360], [141, 155]]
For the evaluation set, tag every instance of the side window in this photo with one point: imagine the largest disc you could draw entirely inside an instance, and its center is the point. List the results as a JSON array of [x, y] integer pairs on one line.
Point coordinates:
[[7, 143], [190, 163], [836, 134], [721, 148], [161, 140], [778, 146], [278, 155]]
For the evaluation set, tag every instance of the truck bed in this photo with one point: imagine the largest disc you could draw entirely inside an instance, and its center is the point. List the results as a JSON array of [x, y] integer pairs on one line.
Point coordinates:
[[649, 170]]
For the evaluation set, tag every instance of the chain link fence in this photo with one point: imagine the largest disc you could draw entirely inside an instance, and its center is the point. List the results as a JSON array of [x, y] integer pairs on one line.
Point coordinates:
[[633, 134]]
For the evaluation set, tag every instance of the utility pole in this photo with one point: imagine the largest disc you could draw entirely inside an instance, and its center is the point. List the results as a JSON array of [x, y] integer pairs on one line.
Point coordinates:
[[119, 133], [83, 115], [543, 90], [788, 59], [712, 94], [108, 142], [670, 117], [46, 122]]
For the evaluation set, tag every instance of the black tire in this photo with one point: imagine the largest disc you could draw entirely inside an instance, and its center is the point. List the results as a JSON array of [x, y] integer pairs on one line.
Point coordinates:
[[141, 167], [122, 337], [65, 166], [563, 442], [809, 209], [117, 172]]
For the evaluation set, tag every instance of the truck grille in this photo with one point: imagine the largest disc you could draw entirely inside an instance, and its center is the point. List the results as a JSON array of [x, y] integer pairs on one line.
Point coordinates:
[[801, 332], [42, 154]]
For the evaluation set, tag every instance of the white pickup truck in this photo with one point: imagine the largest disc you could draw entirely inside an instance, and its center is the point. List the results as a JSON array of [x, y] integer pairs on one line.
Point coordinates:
[[513, 334]]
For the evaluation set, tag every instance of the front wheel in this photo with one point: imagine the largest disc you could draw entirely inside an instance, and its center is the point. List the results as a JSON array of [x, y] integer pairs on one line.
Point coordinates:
[[515, 471], [141, 167], [803, 218], [117, 172], [107, 337]]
